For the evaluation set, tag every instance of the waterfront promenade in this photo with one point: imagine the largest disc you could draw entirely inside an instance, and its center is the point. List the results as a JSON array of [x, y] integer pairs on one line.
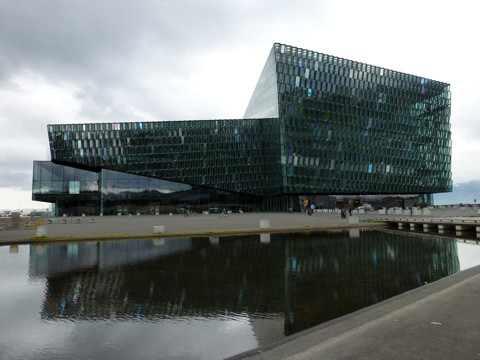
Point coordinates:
[[436, 321], [102, 227], [91, 227]]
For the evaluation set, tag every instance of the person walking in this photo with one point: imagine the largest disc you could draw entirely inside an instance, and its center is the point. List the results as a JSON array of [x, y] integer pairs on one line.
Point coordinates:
[[350, 207]]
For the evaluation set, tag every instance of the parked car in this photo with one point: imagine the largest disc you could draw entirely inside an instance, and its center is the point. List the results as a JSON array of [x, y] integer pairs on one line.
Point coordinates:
[[38, 213], [365, 207], [6, 213]]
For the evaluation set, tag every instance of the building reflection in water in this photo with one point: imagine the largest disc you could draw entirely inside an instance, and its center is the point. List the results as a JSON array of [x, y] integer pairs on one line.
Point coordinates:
[[303, 279]]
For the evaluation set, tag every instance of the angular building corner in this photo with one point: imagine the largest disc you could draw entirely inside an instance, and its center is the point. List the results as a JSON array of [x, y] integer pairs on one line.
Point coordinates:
[[317, 127]]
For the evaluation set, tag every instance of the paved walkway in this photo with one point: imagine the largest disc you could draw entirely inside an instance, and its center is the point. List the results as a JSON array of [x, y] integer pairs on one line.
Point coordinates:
[[437, 321], [137, 226]]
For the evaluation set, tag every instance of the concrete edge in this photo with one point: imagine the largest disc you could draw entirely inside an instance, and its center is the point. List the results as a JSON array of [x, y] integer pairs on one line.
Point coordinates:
[[203, 233], [328, 330]]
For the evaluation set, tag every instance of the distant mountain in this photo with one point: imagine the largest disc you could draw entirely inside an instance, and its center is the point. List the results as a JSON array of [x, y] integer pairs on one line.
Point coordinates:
[[463, 193]]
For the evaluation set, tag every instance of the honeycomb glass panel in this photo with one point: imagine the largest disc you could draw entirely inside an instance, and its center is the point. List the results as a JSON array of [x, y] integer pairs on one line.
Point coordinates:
[[316, 124]]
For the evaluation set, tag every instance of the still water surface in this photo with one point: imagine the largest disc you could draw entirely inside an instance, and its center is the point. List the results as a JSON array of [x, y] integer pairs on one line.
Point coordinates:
[[203, 298]]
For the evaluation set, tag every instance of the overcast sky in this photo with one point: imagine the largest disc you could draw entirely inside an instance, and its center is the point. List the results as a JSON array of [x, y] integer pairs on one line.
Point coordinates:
[[81, 61]]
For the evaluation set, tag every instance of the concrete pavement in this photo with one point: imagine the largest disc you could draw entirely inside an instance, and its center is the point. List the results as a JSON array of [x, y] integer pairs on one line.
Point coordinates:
[[128, 226], [92, 227], [437, 321]]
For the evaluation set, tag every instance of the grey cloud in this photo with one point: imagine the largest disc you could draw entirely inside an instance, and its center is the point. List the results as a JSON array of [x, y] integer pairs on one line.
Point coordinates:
[[108, 45], [21, 133], [122, 45], [16, 179], [76, 36], [466, 193], [20, 157]]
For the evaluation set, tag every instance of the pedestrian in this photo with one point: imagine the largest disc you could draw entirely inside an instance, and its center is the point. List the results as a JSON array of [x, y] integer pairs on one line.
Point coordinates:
[[305, 206], [350, 207]]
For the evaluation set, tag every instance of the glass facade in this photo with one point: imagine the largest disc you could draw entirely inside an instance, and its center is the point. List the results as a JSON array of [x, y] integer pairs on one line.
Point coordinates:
[[77, 191], [349, 128], [232, 155], [315, 125]]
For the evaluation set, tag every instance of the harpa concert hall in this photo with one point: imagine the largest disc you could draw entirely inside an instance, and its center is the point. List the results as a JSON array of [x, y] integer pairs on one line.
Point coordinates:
[[317, 128]]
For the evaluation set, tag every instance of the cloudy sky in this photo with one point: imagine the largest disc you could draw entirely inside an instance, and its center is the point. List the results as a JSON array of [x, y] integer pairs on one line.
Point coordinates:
[[76, 61]]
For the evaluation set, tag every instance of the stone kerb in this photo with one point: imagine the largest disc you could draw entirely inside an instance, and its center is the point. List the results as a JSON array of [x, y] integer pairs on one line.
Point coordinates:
[[353, 220], [41, 231], [427, 212], [159, 229], [265, 224]]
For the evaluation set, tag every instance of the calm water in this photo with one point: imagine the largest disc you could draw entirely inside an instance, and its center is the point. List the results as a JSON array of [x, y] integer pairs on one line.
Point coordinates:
[[203, 298]]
